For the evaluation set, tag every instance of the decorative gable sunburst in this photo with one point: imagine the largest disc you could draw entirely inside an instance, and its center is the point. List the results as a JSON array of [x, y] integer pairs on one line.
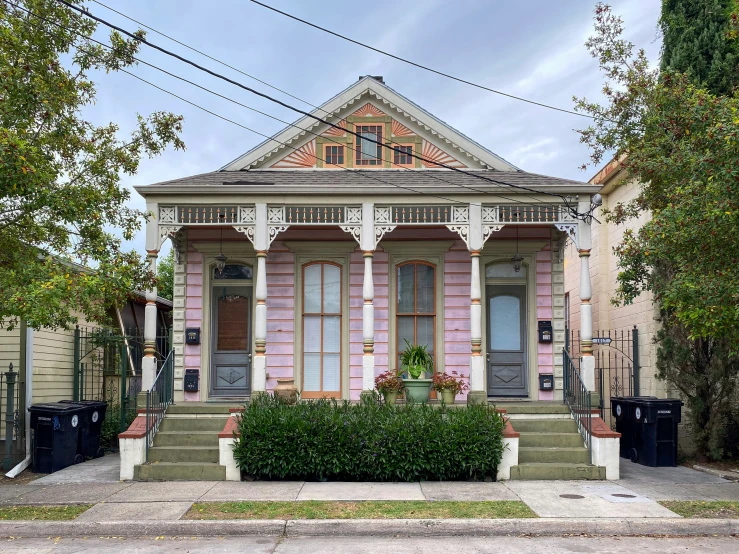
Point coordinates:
[[334, 132], [400, 130], [305, 156], [434, 154], [368, 109]]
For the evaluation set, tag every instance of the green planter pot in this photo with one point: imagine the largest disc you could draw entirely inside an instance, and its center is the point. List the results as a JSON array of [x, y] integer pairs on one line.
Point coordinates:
[[390, 397], [448, 396], [417, 389]]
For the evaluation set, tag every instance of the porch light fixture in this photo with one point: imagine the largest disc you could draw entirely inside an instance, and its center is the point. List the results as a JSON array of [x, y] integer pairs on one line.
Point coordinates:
[[517, 259], [221, 258]]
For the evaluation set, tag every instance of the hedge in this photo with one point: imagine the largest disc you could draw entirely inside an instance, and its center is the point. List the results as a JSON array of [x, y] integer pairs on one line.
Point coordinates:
[[327, 440]]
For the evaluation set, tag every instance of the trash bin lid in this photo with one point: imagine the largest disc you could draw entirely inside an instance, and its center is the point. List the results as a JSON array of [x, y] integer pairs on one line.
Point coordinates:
[[56, 407], [86, 403]]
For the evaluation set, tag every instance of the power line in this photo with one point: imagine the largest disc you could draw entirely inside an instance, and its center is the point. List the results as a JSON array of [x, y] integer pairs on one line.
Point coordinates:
[[420, 66], [307, 114]]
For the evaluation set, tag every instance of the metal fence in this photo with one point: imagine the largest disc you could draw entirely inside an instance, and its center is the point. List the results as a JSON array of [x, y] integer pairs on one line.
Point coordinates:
[[616, 353], [579, 400], [13, 418], [159, 398], [108, 367]]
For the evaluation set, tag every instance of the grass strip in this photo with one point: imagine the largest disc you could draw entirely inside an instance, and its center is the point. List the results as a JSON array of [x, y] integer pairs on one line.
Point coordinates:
[[695, 509], [43, 513], [313, 509]]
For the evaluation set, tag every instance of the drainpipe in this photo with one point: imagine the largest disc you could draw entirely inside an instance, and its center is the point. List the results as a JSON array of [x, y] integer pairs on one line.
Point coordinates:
[[29, 400]]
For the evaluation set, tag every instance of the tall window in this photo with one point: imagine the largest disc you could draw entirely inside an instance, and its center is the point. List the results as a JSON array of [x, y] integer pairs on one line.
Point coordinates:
[[416, 311], [321, 330], [403, 155], [369, 152], [335, 155]]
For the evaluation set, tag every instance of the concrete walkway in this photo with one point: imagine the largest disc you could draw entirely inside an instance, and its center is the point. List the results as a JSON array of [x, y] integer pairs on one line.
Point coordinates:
[[634, 496]]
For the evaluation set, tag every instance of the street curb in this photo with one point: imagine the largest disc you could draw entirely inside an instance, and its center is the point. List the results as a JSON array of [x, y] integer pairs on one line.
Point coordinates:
[[376, 528]]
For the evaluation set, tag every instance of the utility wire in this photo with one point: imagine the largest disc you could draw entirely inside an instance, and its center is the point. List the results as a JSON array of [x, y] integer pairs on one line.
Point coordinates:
[[298, 110], [420, 66]]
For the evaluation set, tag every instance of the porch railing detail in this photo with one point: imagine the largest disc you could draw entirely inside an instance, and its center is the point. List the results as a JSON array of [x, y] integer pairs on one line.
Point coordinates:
[[158, 399], [579, 400]]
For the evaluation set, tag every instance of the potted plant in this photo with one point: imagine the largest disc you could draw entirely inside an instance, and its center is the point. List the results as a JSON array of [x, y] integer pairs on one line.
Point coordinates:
[[449, 386], [389, 384], [416, 361]]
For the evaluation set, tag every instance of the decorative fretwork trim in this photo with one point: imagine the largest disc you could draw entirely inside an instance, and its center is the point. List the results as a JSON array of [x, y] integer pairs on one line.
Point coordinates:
[[488, 230], [463, 231], [353, 230], [273, 231], [381, 231], [571, 230], [247, 230], [167, 231]]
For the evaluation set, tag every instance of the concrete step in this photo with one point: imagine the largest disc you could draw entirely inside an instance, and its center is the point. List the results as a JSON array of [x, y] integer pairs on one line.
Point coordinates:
[[192, 471], [201, 408], [183, 439], [534, 408], [572, 455], [550, 440], [186, 424], [556, 472], [542, 425], [176, 454]]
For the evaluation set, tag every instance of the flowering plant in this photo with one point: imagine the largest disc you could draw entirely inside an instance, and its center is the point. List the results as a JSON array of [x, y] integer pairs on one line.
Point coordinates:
[[454, 382], [389, 382]]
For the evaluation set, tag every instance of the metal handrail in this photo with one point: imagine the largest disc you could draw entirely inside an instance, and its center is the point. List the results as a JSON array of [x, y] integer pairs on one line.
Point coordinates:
[[579, 399], [158, 399]]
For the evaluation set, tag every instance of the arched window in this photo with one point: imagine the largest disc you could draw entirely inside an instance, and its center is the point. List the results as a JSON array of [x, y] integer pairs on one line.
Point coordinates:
[[416, 306], [321, 330]]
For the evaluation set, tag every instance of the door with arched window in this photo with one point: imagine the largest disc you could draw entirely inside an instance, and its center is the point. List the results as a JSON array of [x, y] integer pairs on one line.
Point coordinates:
[[321, 330], [506, 330]]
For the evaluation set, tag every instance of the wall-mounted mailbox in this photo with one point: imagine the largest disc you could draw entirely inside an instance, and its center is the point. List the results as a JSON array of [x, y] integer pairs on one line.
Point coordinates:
[[545, 331], [546, 382], [192, 335], [192, 378]]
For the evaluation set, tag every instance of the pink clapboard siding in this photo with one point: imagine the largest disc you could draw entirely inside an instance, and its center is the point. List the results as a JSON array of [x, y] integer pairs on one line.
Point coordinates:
[[456, 316], [545, 352], [280, 313], [193, 313], [356, 301]]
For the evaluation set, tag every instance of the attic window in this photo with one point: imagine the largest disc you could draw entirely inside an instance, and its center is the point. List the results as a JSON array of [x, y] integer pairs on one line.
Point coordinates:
[[403, 155], [368, 151], [334, 155]]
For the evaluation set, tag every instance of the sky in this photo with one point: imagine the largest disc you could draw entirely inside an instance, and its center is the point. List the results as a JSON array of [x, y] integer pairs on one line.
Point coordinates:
[[532, 48]]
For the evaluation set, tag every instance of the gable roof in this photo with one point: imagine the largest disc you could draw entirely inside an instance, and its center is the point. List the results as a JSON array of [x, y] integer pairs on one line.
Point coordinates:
[[369, 88]]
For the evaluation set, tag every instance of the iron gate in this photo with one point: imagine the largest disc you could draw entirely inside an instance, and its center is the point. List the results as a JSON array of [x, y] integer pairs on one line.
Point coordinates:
[[616, 353]]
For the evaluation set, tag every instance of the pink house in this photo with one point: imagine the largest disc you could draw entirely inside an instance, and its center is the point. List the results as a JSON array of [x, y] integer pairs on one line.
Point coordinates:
[[319, 252]]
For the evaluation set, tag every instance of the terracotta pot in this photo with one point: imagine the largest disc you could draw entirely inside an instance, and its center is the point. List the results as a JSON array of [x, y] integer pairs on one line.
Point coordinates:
[[286, 390], [390, 397], [448, 396]]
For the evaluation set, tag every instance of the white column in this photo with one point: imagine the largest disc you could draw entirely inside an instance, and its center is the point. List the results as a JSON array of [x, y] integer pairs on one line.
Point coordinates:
[[587, 362], [261, 244], [149, 362], [477, 391], [367, 243]]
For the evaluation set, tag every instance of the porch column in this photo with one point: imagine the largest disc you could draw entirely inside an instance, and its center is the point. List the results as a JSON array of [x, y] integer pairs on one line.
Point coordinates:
[[477, 393], [367, 244], [261, 245], [587, 361], [149, 361]]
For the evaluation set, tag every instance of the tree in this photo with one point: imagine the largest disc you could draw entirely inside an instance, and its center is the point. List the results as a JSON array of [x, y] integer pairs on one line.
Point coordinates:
[[698, 39], [61, 202], [165, 276], [681, 143]]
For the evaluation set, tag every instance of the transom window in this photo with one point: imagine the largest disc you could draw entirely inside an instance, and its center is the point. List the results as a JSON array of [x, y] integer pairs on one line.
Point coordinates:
[[416, 308], [369, 152], [321, 330], [403, 155], [504, 270], [335, 155], [233, 271]]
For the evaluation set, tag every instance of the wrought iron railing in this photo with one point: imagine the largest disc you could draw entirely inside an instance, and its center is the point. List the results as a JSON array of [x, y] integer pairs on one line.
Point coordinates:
[[158, 399], [578, 398]]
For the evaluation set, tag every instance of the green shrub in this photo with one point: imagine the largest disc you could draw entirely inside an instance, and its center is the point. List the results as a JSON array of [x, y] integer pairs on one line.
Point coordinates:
[[369, 441], [112, 425]]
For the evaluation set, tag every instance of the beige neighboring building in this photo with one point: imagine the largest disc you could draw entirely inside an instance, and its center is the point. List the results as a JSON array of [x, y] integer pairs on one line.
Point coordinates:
[[617, 187]]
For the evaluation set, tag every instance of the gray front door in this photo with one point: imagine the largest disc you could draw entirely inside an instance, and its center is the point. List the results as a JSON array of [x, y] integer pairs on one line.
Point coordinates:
[[506, 355], [230, 373]]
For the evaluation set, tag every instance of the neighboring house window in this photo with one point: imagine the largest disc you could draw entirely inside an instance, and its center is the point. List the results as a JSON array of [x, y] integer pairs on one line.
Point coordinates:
[[321, 330], [334, 155], [416, 308], [403, 155], [369, 152]]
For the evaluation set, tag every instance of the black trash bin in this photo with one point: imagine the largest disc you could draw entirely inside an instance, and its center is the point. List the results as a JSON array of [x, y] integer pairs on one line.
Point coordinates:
[[655, 422], [621, 412], [91, 421], [55, 436]]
